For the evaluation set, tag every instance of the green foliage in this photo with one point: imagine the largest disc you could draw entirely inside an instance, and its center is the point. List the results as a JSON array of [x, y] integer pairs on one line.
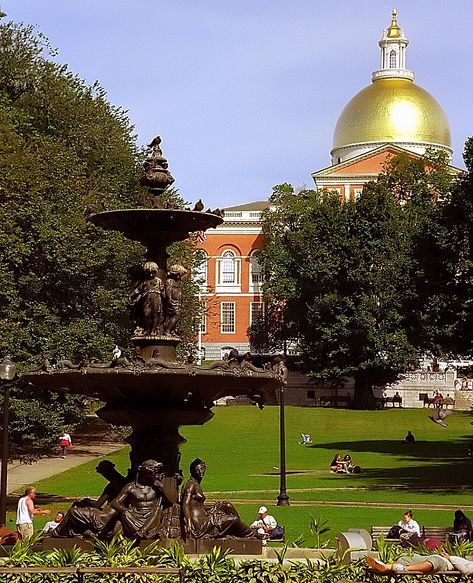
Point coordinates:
[[64, 283], [461, 549], [366, 287], [388, 551], [318, 528]]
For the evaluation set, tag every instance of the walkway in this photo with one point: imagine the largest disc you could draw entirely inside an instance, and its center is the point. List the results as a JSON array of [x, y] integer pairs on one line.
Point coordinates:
[[91, 441]]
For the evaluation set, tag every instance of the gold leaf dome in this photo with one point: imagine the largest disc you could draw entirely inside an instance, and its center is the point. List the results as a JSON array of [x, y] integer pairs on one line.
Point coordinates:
[[392, 110]]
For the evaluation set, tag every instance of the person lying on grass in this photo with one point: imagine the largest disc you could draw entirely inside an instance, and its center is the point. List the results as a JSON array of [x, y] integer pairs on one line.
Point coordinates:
[[423, 564]]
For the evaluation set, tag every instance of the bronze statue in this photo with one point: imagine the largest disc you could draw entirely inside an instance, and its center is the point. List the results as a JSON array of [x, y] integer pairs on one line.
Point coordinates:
[[140, 503], [174, 297], [146, 302], [136, 511], [116, 482], [156, 174], [219, 520]]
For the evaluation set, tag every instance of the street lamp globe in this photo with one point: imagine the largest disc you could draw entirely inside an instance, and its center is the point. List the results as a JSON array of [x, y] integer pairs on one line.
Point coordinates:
[[7, 369]]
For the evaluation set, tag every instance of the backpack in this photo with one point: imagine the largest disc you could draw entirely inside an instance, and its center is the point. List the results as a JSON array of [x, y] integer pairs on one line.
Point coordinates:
[[395, 531]]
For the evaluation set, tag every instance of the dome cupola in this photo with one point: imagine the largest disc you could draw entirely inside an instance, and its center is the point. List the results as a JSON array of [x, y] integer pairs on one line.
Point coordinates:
[[393, 109]]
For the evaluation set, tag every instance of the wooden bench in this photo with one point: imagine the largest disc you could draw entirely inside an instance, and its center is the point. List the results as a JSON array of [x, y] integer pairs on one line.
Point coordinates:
[[439, 532], [382, 402], [379, 531], [82, 571], [440, 403]]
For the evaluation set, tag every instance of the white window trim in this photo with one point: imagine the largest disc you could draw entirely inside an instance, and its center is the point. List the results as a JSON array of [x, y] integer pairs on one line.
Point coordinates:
[[220, 285], [222, 331]]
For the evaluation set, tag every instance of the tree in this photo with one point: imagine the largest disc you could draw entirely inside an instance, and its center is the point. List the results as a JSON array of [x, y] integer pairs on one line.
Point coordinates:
[[365, 284], [63, 282]]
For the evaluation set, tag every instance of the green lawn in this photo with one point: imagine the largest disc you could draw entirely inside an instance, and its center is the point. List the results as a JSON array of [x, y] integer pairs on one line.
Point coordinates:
[[241, 449]]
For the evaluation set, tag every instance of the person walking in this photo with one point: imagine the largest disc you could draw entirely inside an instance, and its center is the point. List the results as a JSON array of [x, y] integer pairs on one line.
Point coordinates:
[[25, 512], [65, 442]]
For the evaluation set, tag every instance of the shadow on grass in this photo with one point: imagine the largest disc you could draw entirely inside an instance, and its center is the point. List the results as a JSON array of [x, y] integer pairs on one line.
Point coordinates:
[[440, 463]]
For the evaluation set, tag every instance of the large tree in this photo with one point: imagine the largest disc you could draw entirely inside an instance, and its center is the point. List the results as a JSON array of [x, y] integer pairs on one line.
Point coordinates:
[[366, 286], [63, 282]]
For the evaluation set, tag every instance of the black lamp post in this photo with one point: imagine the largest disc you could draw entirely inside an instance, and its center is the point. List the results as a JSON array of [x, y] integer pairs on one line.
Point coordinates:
[[283, 498], [7, 375]]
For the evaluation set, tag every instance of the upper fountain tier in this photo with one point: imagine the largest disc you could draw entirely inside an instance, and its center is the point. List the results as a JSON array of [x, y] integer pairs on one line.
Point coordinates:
[[153, 227]]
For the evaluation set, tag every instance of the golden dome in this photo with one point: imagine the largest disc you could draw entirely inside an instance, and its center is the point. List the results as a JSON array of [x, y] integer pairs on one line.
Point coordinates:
[[392, 110]]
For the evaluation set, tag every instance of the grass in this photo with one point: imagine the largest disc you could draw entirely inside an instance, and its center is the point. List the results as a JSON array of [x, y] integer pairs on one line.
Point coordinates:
[[241, 449]]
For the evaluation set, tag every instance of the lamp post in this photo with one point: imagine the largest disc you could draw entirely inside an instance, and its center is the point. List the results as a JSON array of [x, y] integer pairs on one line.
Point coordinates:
[[283, 498], [7, 375]]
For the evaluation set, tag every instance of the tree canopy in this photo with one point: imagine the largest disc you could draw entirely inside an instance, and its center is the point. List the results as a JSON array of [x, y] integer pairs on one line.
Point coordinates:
[[367, 286], [64, 283]]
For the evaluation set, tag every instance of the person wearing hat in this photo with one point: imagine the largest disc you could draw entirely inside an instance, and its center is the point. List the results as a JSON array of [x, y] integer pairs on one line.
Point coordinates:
[[265, 524]]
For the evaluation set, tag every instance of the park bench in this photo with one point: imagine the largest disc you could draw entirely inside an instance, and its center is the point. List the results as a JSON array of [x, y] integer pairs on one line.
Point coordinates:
[[439, 532], [445, 402], [339, 401], [382, 402], [82, 572]]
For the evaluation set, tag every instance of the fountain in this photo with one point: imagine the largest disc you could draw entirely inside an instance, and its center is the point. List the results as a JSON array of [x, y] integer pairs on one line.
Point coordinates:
[[152, 391]]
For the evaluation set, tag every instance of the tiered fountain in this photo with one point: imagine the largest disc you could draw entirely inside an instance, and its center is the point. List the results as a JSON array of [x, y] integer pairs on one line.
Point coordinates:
[[152, 392]]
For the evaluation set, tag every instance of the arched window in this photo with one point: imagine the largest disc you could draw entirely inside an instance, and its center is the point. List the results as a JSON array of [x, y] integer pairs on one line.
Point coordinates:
[[393, 59], [228, 271], [256, 271], [228, 267]]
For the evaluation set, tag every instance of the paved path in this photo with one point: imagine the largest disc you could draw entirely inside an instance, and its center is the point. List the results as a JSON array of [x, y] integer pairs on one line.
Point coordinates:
[[272, 502], [90, 442]]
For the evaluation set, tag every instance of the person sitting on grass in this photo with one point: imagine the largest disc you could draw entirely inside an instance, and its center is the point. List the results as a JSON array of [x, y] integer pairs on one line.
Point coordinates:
[[423, 564], [409, 439], [350, 468], [337, 466], [52, 524]]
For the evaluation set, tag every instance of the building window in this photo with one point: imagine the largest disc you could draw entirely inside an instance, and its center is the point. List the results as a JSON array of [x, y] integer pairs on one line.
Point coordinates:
[[256, 271], [256, 312], [357, 192], [393, 59], [228, 270], [228, 267], [227, 317]]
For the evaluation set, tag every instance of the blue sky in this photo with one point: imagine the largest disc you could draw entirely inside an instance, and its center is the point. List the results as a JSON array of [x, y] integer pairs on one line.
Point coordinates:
[[246, 93]]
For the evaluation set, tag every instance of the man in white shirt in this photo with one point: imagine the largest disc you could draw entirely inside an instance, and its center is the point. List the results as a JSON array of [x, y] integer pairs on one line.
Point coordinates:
[[264, 524], [25, 512], [52, 524]]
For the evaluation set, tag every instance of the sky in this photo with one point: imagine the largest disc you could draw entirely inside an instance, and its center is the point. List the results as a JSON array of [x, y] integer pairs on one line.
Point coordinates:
[[246, 93]]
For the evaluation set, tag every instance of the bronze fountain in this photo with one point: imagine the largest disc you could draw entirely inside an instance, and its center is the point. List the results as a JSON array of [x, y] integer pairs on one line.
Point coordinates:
[[153, 392]]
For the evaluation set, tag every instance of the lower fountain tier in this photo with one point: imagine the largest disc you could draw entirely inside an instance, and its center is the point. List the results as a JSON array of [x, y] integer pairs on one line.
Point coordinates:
[[173, 387], [152, 418]]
